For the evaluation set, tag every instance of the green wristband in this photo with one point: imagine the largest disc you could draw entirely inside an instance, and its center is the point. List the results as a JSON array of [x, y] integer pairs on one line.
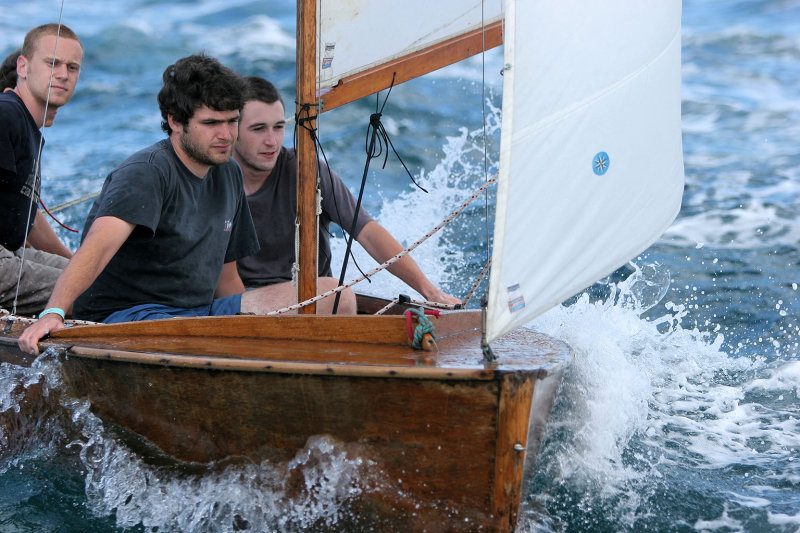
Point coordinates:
[[54, 311]]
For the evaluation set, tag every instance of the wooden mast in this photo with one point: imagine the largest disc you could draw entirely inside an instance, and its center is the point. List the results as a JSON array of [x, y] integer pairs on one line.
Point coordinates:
[[347, 90], [306, 153]]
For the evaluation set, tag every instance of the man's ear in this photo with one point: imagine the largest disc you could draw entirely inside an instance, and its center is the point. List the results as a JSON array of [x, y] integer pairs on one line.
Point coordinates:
[[173, 124], [22, 67]]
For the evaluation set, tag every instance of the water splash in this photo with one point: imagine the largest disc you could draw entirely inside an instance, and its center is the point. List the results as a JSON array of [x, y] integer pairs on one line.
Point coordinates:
[[31, 422], [312, 491], [453, 257], [649, 408]]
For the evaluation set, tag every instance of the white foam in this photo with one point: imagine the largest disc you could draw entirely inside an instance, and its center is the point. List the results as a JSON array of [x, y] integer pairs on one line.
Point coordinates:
[[671, 393], [258, 36], [724, 522], [410, 215]]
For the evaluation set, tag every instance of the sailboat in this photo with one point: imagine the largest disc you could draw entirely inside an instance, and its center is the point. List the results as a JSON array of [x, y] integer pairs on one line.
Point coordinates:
[[590, 174]]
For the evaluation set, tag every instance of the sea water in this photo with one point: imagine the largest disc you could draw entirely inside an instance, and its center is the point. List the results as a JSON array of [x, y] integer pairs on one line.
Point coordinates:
[[679, 410]]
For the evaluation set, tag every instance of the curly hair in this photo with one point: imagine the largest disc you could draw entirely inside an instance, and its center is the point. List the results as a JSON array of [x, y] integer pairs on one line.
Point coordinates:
[[8, 71], [195, 81]]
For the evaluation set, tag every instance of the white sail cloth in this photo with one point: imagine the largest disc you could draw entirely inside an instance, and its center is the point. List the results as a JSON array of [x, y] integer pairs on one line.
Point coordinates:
[[355, 35], [591, 164]]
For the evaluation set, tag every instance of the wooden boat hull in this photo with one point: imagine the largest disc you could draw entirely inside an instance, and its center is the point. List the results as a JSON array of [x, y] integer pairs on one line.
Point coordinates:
[[449, 439]]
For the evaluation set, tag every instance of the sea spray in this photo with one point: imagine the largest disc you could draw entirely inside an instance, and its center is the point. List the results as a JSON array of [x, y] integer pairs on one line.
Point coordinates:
[[32, 424], [647, 406], [312, 491], [453, 257]]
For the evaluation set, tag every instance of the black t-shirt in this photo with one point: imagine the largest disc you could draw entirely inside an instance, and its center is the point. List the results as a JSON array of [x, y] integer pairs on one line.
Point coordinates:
[[274, 210], [19, 148], [186, 229]]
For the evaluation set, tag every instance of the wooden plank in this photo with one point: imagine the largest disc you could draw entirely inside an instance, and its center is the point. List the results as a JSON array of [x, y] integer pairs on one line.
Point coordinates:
[[407, 369], [306, 153], [427, 446], [361, 328], [413, 65], [516, 392], [380, 329]]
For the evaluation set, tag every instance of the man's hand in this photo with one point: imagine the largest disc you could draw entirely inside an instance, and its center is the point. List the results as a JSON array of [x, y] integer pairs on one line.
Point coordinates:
[[439, 296], [29, 340]]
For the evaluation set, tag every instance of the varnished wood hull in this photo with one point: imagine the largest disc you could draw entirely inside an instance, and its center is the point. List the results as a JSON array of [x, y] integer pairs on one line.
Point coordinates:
[[449, 437]]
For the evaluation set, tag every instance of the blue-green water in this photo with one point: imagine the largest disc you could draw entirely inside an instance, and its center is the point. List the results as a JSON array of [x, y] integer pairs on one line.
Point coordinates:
[[676, 414]]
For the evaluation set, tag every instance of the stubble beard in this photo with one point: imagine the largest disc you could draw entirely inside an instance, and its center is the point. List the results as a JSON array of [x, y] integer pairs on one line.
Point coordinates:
[[196, 152]]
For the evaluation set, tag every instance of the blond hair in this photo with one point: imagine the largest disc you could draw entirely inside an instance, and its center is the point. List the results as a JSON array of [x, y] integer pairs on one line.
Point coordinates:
[[33, 36]]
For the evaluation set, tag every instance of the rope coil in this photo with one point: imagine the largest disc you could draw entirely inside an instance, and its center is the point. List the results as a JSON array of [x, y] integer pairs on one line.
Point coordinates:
[[424, 326]]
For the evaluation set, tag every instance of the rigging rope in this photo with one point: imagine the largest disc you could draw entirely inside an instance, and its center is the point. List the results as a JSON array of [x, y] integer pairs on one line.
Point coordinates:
[[54, 218], [393, 259], [377, 142], [485, 148], [471, 292], [11, 318], [76, 201]]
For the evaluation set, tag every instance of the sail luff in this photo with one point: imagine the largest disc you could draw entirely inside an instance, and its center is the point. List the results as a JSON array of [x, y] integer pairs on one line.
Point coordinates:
[[306, 152]]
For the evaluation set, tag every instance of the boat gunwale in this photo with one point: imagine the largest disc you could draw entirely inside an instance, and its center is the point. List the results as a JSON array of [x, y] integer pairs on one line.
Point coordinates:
[[374, 329], [343, 369]]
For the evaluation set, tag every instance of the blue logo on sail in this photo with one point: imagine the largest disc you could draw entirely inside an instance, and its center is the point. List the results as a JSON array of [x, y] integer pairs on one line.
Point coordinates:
[[600, 163]]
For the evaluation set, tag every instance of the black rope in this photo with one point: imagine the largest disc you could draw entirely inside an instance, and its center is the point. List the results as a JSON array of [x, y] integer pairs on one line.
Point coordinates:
[[377, 143], [304, 119]]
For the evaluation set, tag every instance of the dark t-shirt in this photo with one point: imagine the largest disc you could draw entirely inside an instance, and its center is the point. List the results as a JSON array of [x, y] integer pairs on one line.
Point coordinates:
[[19, 147], [186, 229], [274, 210]]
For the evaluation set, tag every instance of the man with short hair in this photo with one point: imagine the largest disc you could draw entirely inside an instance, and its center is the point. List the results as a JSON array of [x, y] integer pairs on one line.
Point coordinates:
[[270, 182], [163, 237], [45, 74]]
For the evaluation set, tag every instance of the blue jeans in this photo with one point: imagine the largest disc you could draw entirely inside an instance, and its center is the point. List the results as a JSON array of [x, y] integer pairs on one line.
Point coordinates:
[[229, 305]]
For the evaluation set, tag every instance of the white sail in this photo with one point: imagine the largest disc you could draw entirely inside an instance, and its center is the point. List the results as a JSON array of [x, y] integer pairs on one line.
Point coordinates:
[[591, 163], [355, 35]]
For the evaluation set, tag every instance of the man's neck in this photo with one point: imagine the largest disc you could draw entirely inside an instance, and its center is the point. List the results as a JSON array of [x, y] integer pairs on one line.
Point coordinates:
[[33, 106], [254, 179], [195, 167]]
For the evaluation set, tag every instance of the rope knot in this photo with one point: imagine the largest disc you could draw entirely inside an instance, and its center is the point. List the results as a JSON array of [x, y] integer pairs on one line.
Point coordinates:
[[423, 337]]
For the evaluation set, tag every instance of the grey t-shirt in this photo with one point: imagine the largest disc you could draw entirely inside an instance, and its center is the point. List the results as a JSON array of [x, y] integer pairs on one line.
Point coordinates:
[[186, 229], [274, 210]]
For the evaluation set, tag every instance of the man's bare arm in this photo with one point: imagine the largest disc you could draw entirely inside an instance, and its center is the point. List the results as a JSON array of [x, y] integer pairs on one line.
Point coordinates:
[[380, 244], [102, 241], [42, 237], [229, 281]]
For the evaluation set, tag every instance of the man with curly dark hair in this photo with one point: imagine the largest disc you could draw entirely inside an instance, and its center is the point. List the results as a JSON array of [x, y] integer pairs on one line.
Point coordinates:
[[163, 237]]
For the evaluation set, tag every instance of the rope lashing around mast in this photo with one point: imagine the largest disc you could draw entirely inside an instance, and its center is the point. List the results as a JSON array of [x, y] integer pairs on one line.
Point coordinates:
[[391, 260]]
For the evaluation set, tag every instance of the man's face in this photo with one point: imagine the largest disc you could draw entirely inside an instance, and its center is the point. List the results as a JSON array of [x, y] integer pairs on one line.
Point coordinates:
[[35, 70], [209, 136], [260, 135]]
